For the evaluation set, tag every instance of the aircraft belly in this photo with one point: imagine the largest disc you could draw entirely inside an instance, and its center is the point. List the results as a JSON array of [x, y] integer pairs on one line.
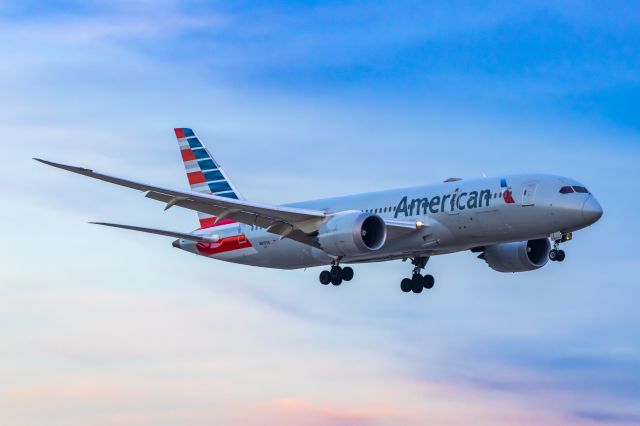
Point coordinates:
[[272, 252]]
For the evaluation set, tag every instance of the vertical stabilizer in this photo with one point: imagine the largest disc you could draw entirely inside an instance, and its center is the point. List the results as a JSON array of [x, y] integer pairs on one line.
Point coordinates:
[[204, 173]]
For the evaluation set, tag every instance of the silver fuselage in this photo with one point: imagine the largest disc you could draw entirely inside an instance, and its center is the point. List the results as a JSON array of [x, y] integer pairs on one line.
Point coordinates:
[[455, 220]]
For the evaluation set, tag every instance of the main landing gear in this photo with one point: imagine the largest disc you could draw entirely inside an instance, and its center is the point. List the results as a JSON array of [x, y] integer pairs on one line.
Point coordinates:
[[336, 275], [557, 255], [417, 282]]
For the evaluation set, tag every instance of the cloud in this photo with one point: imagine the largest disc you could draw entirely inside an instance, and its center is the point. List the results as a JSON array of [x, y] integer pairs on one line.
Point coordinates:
[[296, 412], [609, 417]]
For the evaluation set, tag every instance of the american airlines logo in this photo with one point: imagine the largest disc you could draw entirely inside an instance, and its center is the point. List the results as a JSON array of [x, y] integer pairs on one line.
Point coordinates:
[[455, 201], [507, 195]]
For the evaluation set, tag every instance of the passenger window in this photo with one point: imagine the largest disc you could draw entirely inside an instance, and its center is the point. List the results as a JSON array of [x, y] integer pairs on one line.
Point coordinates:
[[566, 190], [580, 189]]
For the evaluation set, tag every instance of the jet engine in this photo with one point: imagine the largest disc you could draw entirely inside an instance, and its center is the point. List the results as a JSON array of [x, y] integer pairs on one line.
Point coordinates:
[[519, 256], [352, 233]]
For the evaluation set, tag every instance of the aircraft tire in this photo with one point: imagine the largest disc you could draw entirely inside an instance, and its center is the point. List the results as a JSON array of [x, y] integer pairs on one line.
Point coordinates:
[[406, 285], [428, 281], [336, 280], [553, 255], [325, 277], [560, 257], [416, 283], [347, 273], [336, 272]]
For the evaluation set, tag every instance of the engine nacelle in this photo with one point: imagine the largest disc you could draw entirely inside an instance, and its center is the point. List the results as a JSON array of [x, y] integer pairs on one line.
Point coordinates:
[[351, 233], [518, 257]]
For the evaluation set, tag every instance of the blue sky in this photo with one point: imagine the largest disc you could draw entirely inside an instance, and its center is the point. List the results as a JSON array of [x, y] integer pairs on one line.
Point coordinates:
[[302, 100]]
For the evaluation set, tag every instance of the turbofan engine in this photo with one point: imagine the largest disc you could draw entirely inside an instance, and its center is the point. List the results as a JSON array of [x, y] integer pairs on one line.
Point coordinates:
[[352, 233], [518, 257]]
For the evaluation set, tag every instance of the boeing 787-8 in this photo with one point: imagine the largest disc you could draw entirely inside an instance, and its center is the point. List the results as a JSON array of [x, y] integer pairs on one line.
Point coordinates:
[[515, 223]]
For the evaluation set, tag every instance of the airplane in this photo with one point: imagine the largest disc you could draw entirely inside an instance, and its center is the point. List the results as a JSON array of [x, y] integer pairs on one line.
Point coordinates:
[[510, 221]]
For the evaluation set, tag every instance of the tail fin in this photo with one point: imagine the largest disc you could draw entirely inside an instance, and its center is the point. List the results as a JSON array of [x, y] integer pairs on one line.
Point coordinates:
[[204, 173]]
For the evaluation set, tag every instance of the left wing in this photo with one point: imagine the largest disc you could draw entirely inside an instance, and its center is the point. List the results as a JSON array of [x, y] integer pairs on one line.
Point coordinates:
[[290, 222]]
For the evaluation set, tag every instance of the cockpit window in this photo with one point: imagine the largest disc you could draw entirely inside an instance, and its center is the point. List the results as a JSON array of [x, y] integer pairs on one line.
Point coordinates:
[[566, 190], [580, 189]]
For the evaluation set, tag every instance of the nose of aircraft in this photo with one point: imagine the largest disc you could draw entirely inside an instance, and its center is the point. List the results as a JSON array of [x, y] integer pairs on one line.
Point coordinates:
[[591, 210]]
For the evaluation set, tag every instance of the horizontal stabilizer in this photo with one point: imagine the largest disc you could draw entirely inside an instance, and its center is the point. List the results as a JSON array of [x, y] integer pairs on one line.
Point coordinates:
[[190, 237]]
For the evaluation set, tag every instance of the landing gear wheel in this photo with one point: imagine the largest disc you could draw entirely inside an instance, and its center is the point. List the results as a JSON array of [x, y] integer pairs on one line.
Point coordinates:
[[428, 281], [560, 255], [336, 275], [553, 255], [416, 283], [325, 277], [406, 285], [347, 273]]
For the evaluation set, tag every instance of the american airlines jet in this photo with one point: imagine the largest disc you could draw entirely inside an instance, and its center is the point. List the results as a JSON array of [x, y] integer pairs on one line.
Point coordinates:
[[510, 221]]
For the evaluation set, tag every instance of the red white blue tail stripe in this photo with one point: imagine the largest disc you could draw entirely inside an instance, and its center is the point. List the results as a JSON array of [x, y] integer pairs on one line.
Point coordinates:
[[203, 173]]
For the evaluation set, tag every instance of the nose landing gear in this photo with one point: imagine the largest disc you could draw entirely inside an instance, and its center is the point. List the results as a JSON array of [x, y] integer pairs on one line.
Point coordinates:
[[336, 275], [417, 282], [557, 255]]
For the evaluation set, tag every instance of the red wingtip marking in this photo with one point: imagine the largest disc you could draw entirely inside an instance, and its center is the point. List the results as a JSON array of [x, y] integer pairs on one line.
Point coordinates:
[[179, 133]]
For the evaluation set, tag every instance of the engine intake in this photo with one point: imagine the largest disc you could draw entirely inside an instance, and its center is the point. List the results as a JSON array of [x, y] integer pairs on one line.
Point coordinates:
[[351, 233], [519, 256]]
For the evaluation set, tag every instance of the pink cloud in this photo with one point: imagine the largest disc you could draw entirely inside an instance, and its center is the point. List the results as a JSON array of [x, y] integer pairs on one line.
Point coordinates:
[[291, 411]]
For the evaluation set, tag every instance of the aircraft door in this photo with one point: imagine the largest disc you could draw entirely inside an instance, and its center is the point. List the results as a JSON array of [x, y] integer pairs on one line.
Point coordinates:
[[529, 194]]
